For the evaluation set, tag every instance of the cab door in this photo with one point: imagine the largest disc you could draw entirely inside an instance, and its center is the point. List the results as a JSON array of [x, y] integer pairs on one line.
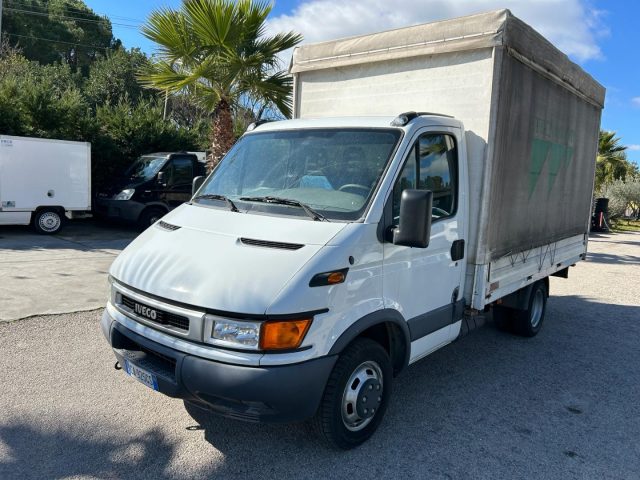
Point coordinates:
[[425, 284], [178, 178]]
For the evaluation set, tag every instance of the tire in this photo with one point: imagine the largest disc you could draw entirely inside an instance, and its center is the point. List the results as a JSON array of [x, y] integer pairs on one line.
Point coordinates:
[[527, 322], [150, 216], [47, 221], [364, 366]]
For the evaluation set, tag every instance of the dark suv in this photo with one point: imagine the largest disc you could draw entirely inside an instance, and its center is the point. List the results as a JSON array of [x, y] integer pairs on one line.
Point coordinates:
[[153, 185]]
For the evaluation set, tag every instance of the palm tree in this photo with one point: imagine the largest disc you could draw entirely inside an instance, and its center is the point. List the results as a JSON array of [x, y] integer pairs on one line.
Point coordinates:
[[217, 52], [611, 163]]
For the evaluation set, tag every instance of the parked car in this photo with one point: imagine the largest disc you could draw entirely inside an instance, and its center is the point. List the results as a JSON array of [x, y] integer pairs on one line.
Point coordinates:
[[152, 186], [326, 253], [43, 182]]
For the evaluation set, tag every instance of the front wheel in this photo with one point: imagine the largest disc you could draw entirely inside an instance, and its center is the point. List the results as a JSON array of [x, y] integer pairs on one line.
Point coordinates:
[[47, 221], [356, 396]]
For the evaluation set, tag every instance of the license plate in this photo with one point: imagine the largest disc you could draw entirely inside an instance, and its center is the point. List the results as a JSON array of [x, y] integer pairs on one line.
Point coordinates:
[[141, 375]]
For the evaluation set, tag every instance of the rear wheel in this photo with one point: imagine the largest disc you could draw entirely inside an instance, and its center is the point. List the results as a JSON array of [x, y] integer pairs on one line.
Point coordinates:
[[149, 217], [526, 322], [47, 221], [356, 396], [529, 322]]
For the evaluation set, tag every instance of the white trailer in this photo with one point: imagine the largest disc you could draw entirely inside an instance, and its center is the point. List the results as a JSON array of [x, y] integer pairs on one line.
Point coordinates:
[[42, 181]]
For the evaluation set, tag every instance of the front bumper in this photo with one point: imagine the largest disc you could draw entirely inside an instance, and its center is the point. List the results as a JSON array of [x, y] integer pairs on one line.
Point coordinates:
[[126, 210], [284, 393]]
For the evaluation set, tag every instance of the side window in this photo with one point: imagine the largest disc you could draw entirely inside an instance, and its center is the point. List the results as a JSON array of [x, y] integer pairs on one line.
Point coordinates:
[[408, 179], [180, 171], [432, 165]]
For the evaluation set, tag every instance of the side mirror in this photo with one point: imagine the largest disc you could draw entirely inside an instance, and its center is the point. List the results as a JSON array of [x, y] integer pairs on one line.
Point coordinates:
[[414, 228], [160, 178], [196, 184]]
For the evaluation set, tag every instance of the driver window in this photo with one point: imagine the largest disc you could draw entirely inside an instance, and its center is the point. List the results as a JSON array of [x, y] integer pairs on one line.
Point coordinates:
[[431, 165], [179, 171]]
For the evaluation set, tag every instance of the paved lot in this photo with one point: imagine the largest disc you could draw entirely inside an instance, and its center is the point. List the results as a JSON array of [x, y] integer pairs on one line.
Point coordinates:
[[60, 273], [561, 405]]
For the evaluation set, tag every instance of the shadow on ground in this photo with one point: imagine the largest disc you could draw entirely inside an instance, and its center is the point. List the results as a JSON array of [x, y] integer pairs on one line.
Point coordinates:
[[560, 405], [85, 235]]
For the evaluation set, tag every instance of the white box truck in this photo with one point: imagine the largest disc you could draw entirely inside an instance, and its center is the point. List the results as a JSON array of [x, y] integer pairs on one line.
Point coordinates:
[[326, 253], [43, 181]]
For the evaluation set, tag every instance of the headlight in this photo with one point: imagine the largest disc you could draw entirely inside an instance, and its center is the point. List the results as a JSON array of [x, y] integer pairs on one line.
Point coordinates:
[[125, 194], [249, 335], [233, 333]]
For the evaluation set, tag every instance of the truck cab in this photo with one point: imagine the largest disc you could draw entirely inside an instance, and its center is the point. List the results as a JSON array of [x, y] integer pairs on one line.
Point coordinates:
[[153, 185]]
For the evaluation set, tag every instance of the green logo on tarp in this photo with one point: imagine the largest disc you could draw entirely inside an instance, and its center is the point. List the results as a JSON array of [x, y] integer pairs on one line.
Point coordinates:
[[552, 146]]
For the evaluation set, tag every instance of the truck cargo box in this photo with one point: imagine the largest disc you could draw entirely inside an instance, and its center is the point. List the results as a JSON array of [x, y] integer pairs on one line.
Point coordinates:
[[39, 174], [531, 117]]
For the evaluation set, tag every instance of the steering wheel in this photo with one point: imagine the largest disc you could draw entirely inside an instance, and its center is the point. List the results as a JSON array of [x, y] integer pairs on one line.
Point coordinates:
[[435, 211], [355, 186], [439, 212]]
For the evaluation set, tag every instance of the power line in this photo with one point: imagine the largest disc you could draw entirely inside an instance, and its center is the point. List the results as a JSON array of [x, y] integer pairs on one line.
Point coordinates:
[[58, 41], [71, 11], [42, 14]]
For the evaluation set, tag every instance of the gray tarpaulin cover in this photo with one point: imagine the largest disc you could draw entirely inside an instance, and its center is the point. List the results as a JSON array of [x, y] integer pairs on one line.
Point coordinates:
[[531, 115]]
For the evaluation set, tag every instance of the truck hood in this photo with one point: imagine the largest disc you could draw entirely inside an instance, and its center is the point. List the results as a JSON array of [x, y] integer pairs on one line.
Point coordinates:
[[120, 183], [221, 260]]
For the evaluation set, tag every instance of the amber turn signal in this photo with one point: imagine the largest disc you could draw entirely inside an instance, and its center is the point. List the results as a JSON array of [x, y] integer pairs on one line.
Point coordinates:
[[283, 335], [329, 278]]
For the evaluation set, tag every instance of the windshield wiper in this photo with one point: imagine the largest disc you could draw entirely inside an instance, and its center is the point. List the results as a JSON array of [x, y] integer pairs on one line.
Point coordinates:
[[214, 196], [318, 217]]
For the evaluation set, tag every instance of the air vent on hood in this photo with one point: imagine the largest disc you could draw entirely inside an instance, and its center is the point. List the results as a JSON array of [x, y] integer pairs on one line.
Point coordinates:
[[268, 244], [167, 226]]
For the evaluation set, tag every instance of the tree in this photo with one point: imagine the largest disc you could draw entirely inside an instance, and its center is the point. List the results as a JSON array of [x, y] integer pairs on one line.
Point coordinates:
[[113, 78], [624, 198], [217, 52], [123, 131], [55, 30], [611, 163]]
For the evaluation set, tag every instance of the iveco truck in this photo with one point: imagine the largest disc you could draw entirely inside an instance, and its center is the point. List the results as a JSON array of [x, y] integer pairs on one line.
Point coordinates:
[[326, 253]]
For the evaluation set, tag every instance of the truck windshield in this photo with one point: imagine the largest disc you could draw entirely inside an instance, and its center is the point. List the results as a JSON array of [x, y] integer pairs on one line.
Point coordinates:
[[333, 171], [145, 167]]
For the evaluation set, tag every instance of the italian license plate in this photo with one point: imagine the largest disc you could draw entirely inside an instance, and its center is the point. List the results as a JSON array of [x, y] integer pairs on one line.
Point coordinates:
[[141, 375]]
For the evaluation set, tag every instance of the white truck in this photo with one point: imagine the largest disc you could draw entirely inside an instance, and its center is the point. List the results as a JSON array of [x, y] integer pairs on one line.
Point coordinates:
[[43, 181], [326, 253]]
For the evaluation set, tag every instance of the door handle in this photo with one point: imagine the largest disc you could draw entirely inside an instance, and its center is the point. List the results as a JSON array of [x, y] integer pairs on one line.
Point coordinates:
[[457, 250]]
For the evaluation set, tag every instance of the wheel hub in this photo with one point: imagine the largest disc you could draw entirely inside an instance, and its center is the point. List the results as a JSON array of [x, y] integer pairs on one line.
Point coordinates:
[[536, 308], [362, 396], [369, 398], [49, 221]]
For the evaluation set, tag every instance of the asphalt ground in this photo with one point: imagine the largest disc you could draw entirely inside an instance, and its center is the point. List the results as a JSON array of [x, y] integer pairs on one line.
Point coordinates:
[[66, 272], [562, 405]]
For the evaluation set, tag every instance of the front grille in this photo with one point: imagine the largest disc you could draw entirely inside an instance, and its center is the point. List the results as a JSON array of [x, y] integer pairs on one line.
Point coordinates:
[[162, 317], [269, 244]]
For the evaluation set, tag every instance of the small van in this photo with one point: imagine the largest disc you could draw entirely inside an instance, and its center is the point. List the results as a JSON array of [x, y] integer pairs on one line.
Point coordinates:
[[152, 186]]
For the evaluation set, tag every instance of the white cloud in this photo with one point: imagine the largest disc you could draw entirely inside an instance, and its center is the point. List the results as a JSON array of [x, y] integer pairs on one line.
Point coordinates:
[[571, 25], [636, 101], [635, 148]]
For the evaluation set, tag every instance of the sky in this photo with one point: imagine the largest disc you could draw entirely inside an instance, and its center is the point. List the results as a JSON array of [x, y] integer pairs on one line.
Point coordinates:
[[602, 36]]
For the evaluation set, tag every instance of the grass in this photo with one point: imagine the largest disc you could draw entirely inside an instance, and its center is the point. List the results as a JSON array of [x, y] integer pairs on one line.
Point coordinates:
[[626, 226]]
